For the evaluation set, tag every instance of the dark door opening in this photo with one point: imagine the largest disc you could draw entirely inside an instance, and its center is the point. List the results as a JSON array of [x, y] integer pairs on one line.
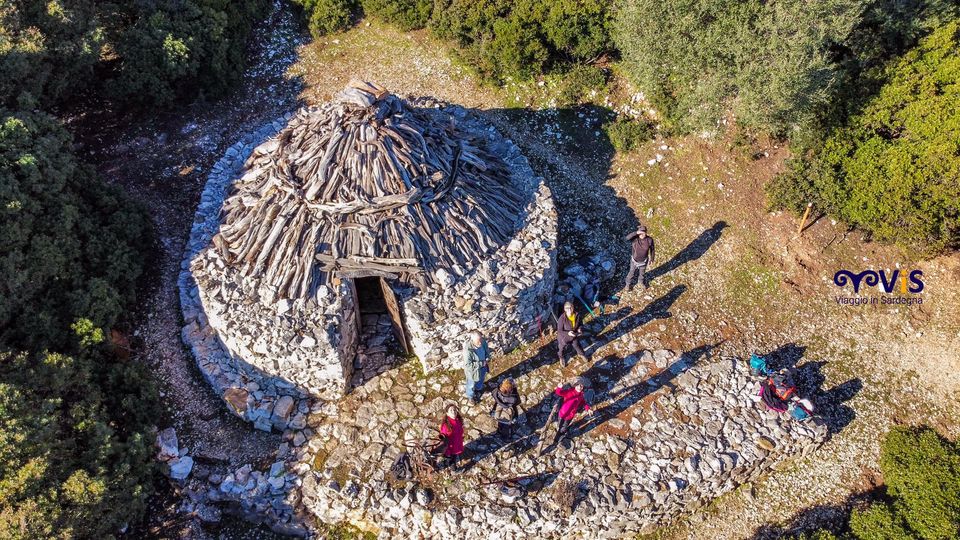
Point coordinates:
[[383, 339]]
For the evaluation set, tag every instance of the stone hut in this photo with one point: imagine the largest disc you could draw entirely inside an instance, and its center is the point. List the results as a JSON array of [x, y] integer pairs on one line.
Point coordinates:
[[416, 205]]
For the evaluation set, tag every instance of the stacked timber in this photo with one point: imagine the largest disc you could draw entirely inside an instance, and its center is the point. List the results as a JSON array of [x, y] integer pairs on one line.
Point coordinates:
[[366, 185]]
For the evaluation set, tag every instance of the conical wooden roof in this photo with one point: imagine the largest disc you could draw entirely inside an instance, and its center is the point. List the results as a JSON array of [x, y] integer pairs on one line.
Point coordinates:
[[367, 185]]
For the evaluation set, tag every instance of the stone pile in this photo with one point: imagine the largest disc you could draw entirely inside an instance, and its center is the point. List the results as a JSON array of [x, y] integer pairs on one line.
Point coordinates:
[[177, 464], [268, 401]]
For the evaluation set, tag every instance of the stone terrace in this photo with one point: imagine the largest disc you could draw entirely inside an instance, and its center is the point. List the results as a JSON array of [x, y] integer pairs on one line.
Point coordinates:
[[667, 434]]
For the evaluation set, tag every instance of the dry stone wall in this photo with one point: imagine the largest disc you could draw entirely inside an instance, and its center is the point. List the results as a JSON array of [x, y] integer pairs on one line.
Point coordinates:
[[506, 294], [254, 352]]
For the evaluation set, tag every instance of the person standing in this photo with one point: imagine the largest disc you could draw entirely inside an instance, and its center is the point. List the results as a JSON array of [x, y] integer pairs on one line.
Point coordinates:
[[569, 330], [451, 427], [506, 402], [642, 255], [573, 403], [476, 354]]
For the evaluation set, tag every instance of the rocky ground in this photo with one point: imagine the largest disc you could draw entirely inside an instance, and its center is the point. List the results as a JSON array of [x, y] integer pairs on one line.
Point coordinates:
[[736, 276]]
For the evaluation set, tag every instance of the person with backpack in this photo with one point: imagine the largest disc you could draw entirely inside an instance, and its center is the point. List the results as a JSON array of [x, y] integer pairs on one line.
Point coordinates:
[[569, 330], [573, 403], [476, 354], [642, 255], [451, 429], [506, 402]]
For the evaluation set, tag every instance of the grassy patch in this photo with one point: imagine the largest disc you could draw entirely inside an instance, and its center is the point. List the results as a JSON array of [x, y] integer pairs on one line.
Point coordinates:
[[344, 531]]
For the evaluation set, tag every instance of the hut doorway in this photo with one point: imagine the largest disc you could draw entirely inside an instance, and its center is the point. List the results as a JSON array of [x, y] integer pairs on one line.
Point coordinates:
[[383, 335]]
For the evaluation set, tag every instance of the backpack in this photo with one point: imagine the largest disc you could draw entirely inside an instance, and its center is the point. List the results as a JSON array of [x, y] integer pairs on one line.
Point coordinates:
[[758, 366], [801, 410], [401, 468], [781, 386]]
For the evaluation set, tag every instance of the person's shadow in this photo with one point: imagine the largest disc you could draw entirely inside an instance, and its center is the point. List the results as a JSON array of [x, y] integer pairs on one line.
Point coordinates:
[[624, 324], [628, 397], [692, 252], [809, 379]]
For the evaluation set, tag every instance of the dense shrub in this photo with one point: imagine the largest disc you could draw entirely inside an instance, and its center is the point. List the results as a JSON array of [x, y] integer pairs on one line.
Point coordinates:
[[47, 51], [525, 37], [70, 246], [625, 134], [328, 16], [177, 48], [920, 470], [768, 63], [75, 449], [405, 14], [894, 168], [578, 82], [143, 52]]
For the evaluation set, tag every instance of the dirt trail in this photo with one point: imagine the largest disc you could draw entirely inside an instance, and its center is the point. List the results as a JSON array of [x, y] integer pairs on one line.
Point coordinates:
[[162, 161]]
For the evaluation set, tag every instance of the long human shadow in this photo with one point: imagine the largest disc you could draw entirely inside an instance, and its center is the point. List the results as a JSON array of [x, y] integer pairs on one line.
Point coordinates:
[[602, 377], [692, 252], [623, 324], [618, 402]]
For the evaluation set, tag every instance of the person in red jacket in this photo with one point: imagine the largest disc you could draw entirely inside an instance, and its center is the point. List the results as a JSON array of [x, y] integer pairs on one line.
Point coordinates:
[[573, 402], [452, 430]]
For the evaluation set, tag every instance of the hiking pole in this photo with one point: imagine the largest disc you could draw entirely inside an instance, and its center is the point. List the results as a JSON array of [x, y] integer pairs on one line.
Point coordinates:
[[577, 296], [546, 426]]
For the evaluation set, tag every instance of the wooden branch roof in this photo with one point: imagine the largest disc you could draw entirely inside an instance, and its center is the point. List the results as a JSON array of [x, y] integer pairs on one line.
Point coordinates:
[[366, 185]]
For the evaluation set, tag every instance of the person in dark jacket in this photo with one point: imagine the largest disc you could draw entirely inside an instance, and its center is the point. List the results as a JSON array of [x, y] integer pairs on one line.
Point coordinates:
[[569, 330], [506, 402], [642, 255]]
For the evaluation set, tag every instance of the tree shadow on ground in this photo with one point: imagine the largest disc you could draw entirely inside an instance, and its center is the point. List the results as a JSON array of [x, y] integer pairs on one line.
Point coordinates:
[[692, 252], [831, 517]]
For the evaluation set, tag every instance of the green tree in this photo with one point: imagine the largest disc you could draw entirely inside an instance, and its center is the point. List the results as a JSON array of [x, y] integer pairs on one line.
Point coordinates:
[[894, 168], [173, 49], [526, 37], [48, 50], [405, 14], [75, 442], [70, 246], [75, 457], [328, 16], [920, 469]]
